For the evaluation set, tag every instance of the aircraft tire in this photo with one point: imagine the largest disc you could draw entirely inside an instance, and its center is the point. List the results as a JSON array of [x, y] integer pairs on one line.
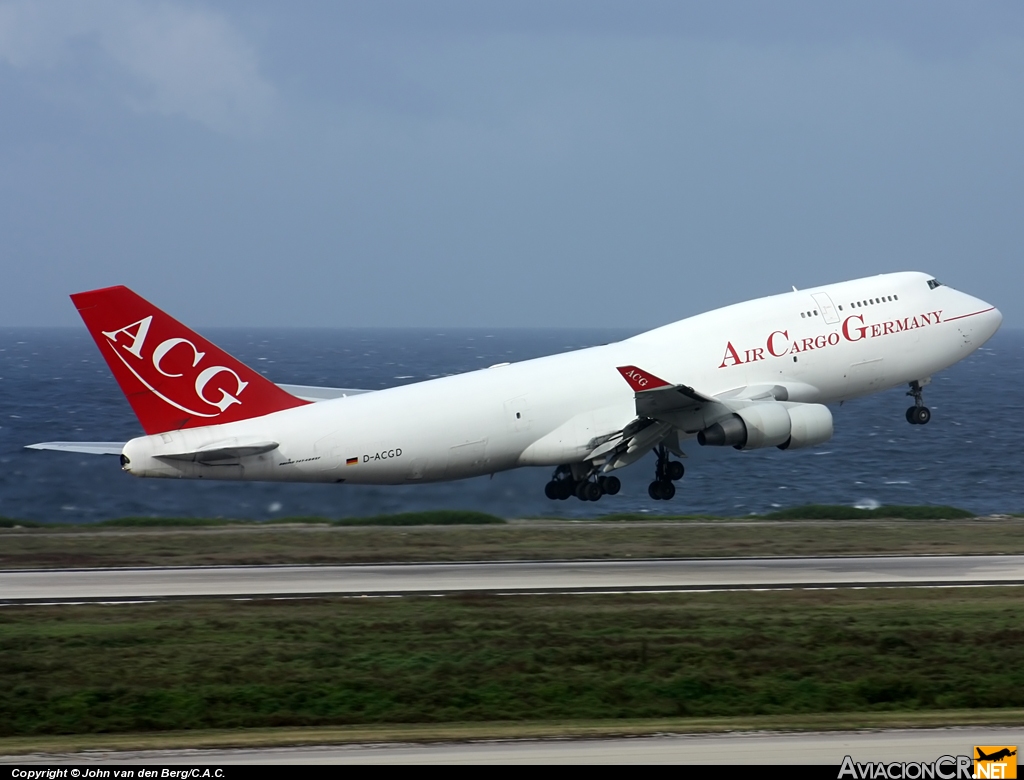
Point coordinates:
[[675, 470], [589, 491], [922, 415], [610, 485], [565, 489], [910, 415], [551, 490], [661, 490]]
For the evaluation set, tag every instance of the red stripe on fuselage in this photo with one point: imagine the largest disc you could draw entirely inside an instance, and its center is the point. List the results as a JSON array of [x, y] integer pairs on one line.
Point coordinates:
[[950, 319]]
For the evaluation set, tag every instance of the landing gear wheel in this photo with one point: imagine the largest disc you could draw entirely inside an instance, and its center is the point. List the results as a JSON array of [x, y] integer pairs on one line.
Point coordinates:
[[588, 491], [661, 490], [918, 414], [609, 485], [666, 470], [565, 490], [552, 490]]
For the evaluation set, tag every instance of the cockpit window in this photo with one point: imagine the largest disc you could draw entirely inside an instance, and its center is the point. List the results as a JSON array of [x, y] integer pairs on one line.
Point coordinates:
[[933, 283]]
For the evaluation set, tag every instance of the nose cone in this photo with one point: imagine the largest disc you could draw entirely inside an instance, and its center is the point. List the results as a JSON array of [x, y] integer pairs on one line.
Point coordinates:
[[978, 320], [982, 322], [989, 323]]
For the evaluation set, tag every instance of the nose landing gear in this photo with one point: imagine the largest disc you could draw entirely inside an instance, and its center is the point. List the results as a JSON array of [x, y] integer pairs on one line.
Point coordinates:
[[665, 473], [918, 414]]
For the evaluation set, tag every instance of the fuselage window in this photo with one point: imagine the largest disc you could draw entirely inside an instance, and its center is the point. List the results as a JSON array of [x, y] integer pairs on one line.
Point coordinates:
[[802, 315], [815, 312], [895, 297]]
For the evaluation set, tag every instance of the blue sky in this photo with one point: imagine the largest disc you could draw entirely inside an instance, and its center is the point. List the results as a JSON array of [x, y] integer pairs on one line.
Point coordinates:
[[502, 164]]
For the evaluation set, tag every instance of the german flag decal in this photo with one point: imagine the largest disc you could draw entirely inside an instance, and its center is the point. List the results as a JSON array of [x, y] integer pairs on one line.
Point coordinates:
[[351, 461]]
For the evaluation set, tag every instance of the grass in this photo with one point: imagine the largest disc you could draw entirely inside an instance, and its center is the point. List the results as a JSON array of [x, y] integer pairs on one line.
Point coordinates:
[[815, 512], [437, 517], [462, 517], [319, 543], [482, 658]]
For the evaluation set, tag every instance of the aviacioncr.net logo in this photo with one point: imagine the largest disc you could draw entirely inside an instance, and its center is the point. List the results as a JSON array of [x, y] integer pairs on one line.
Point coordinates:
[[942, 768]]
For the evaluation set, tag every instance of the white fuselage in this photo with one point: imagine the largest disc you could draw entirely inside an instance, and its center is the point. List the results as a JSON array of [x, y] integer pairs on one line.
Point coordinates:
[[822, 345]]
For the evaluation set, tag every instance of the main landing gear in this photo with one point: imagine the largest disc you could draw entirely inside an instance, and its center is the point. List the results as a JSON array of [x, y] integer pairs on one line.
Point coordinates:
[[665, 473], [918, 414], [564, 483]]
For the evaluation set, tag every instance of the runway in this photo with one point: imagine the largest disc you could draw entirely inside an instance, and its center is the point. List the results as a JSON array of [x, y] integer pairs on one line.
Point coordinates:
[[61, 585], [723, 750]]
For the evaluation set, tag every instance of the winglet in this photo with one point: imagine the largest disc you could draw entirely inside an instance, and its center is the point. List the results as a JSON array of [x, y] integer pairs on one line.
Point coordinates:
[[641, 380]]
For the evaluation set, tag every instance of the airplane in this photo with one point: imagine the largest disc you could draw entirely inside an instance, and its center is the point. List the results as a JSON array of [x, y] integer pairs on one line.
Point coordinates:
[[751, 375], [999, 754]]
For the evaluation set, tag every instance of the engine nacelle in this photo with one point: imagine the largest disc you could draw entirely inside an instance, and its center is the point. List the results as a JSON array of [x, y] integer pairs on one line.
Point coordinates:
[[812, 424], [752, 427]]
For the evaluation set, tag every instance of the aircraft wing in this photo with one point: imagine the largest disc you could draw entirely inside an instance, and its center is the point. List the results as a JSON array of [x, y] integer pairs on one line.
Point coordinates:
[[657, 402], [312, 393], [655, 396], [87, 447]]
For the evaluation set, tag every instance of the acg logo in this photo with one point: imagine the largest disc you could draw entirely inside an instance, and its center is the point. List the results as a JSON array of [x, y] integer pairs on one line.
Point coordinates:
[[184, 350], [637, 377]]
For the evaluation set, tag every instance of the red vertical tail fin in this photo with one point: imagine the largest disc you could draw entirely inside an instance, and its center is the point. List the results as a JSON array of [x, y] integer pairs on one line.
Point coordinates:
[[172, 376]]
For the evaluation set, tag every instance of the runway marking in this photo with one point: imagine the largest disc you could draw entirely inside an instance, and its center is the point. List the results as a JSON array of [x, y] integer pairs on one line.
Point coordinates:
[[483, 592]]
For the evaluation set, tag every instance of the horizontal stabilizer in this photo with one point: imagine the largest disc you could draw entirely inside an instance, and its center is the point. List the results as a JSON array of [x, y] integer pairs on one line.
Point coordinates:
[[87, 447], [221, 451], [311, 393]]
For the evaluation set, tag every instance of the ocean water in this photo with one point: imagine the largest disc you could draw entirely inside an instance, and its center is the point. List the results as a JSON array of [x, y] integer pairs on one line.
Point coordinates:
[[55, 386]]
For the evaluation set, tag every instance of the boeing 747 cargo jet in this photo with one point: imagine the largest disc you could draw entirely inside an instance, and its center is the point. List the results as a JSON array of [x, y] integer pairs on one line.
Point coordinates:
[[755, 374]]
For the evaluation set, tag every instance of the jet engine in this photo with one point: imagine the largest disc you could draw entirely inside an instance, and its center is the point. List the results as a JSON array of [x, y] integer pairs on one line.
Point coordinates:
[[786, 426], [812, 424]]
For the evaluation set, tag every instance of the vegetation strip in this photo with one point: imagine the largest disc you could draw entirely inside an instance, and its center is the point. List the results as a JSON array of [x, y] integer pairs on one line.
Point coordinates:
[[249, 544], [819, 656], [434, 517]]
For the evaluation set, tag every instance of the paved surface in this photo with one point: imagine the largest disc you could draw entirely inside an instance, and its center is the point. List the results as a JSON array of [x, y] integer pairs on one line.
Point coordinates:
[[511, 577], [725, 749]]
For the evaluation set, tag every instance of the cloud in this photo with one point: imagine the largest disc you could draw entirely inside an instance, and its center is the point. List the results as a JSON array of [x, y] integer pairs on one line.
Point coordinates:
[[164, 58]]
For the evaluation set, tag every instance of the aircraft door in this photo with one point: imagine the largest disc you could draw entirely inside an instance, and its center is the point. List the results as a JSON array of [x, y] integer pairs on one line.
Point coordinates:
[[466, 459], [865, 377], [828, 311]]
